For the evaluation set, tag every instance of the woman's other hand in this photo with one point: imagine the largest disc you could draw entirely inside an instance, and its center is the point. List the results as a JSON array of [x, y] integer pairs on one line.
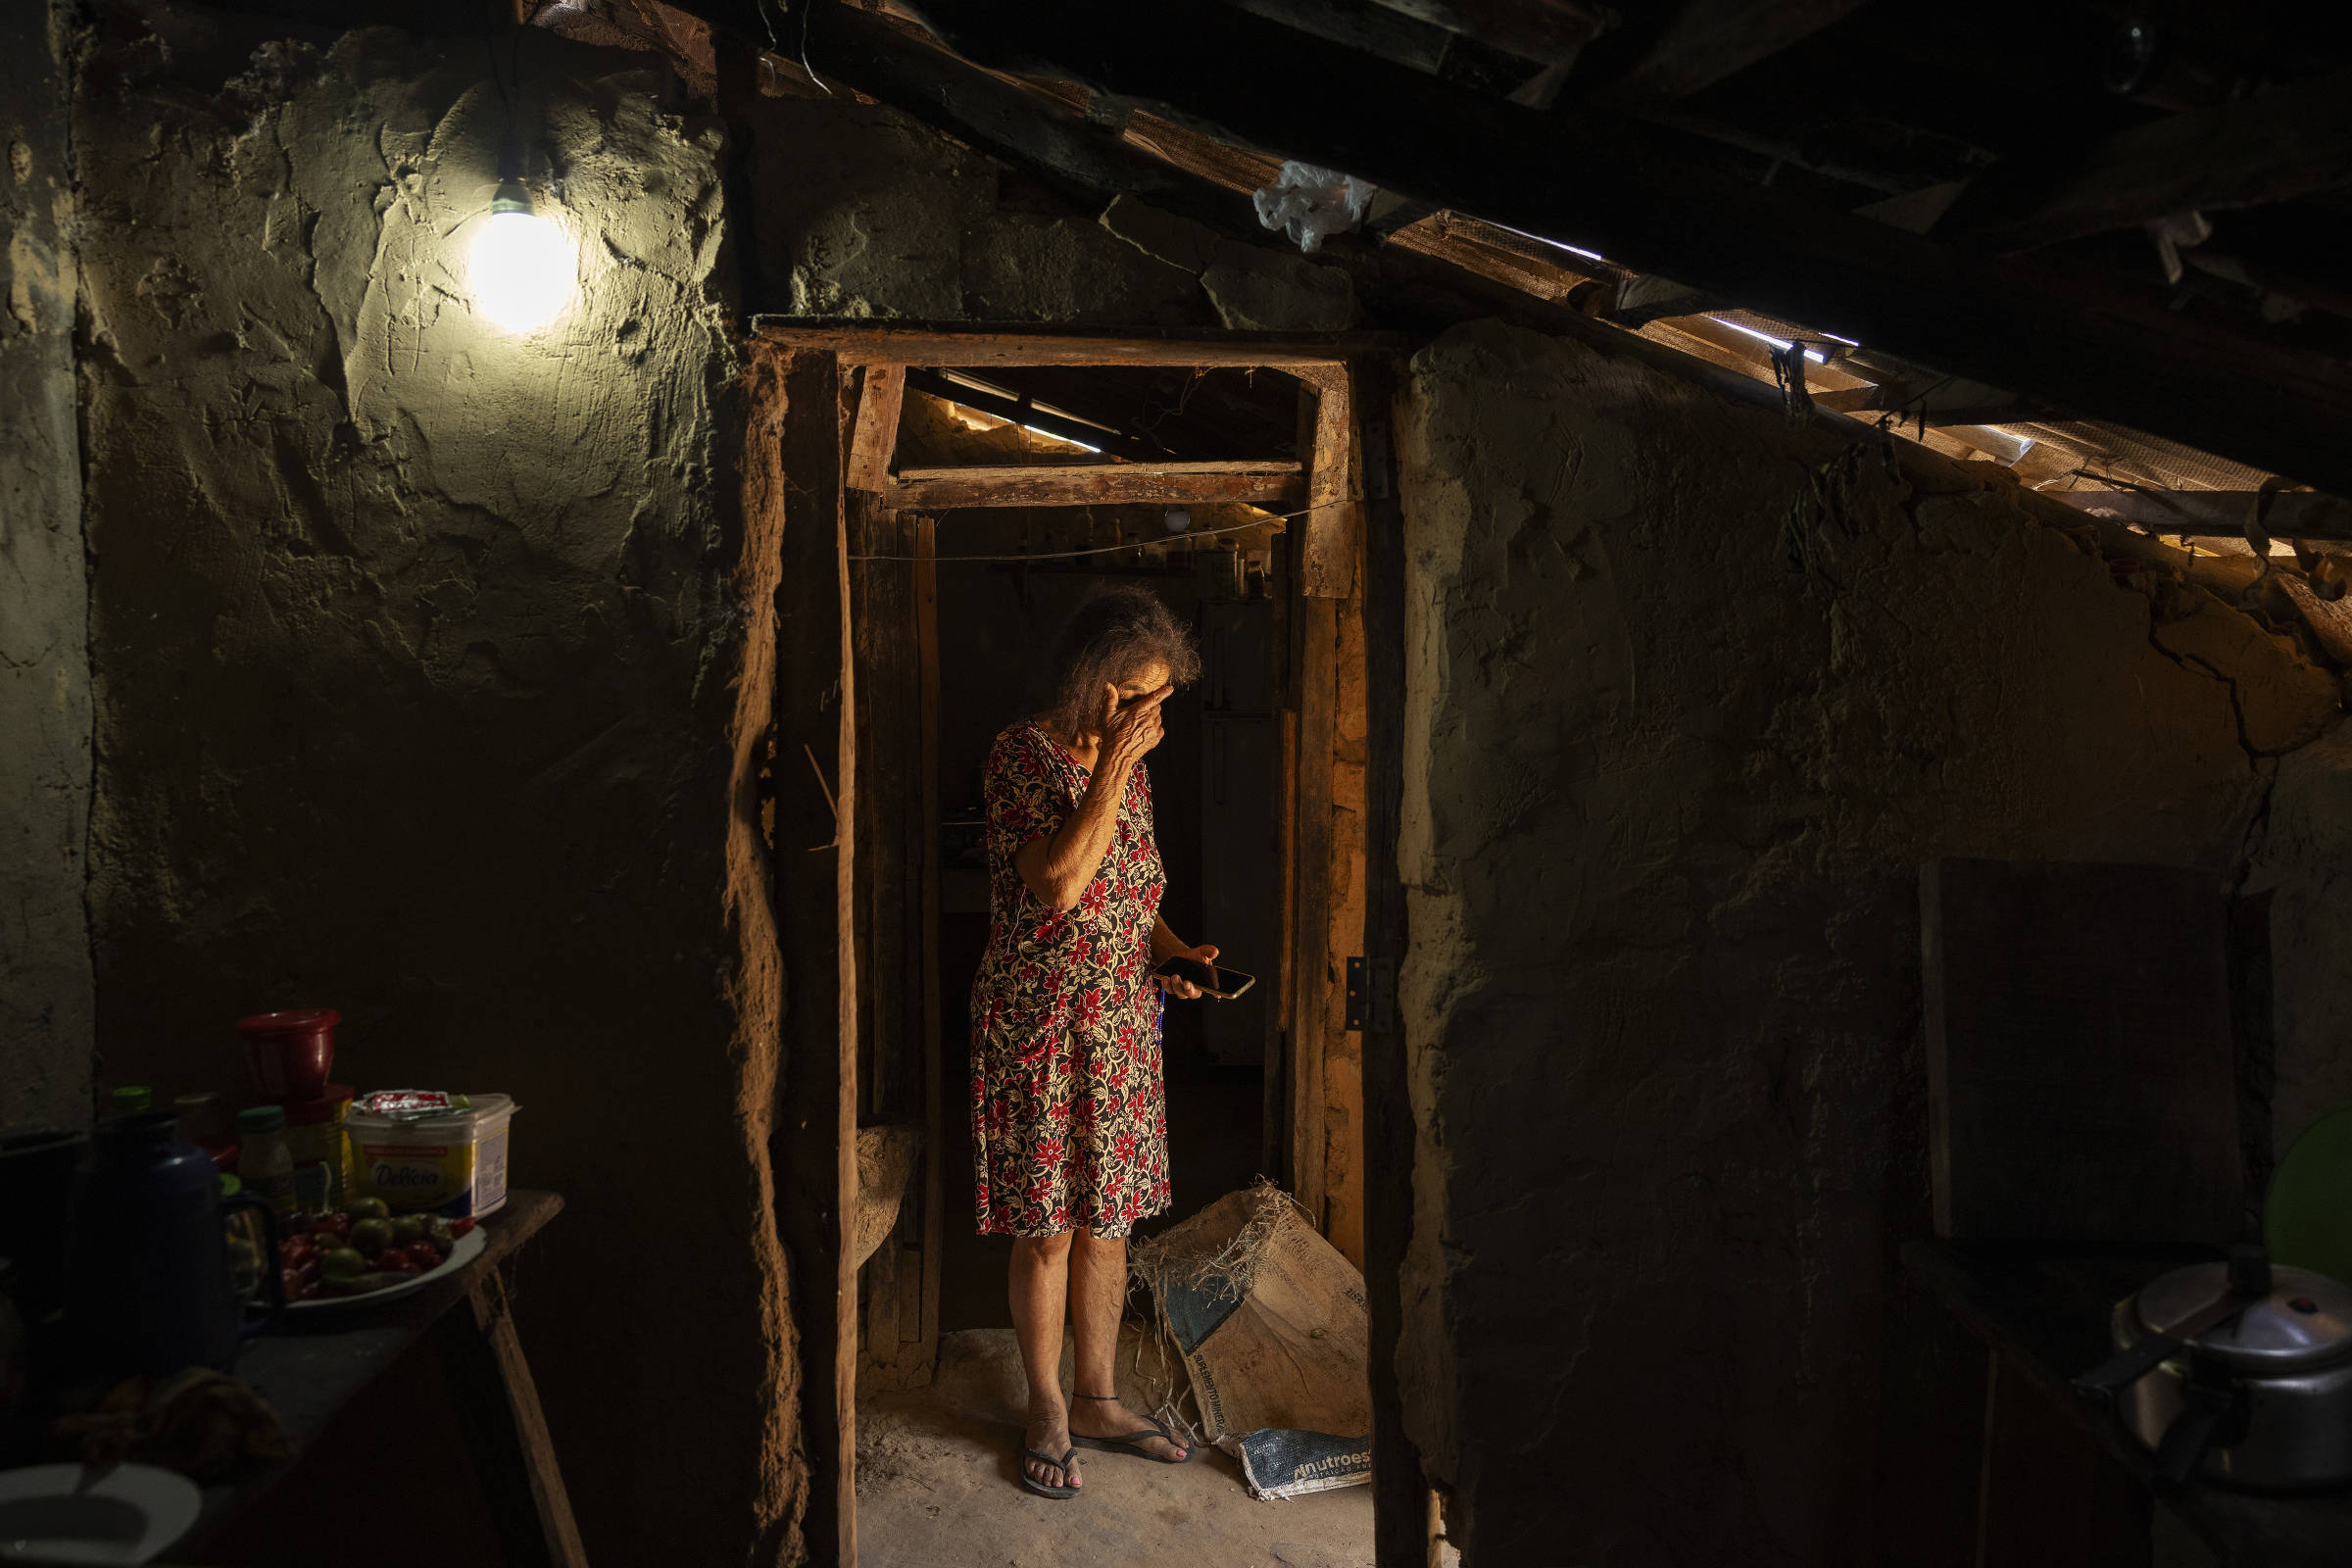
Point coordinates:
[[1131, 728], [1177, 985]]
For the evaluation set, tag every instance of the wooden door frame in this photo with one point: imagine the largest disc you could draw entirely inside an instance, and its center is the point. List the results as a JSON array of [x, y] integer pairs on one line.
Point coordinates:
[[844, 387]]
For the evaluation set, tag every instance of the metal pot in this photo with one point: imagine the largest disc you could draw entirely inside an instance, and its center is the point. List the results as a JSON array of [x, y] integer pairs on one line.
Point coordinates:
[[2239, 1372]]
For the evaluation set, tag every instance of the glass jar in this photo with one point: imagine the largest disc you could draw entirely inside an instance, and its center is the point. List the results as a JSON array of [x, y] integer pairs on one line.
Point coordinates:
[[265, 1163], [242, 1227]]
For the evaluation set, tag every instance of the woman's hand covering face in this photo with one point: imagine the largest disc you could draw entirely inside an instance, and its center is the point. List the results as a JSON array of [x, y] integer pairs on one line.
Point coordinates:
[[1132, 726]]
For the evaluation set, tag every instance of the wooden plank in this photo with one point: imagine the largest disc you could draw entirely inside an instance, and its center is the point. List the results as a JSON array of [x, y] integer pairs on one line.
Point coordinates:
[[876, 441], [889, 937], [2086, 340], [1378, 29], [498, 1411], [2079, 1077], [815, 1137], [1703, 42], [1261, 484], [1397, 1487], [1275, 1133], [935, 1087], [950, 347], [1311, 958], [2217, 513], [1533, 30], [843, 1346], [2288, 142], [1327, 563], [1342, 1147]]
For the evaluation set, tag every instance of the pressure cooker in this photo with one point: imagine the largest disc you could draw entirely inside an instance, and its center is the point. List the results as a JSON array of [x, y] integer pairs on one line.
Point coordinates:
[[2239, 1372]]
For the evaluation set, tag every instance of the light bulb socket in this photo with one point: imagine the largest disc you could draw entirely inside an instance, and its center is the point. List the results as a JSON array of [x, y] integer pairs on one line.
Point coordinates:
[[510, 198]]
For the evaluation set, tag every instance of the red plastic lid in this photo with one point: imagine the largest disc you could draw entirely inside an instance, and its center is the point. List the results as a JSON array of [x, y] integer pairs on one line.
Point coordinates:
[[311, 1113], [293, 1021]]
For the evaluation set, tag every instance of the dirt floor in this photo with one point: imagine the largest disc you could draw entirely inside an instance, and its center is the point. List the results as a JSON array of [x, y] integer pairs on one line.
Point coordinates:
[[938, 1487]]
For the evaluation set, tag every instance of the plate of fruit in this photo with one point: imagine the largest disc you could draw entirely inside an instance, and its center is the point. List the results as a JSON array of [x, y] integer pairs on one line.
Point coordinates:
[[363, 1253]]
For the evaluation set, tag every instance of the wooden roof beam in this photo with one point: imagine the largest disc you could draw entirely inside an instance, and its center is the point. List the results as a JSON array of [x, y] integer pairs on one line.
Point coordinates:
[[1703, 42], [2219, 513], [2283, 144], [1542, 31]]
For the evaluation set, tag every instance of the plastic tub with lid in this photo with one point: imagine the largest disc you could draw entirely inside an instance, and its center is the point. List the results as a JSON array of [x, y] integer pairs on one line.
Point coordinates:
[[453, 1165]]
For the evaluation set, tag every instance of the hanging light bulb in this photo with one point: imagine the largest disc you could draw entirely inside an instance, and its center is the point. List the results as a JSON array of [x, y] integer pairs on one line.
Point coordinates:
[[523, 268]]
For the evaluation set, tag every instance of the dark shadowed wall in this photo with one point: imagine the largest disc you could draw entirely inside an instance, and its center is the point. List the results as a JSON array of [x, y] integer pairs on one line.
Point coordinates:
[[1677, 742], [414, 643], [45, 988]]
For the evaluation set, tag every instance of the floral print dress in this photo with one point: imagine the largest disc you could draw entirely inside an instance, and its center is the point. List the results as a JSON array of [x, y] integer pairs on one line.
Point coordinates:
[[1069, 1113]]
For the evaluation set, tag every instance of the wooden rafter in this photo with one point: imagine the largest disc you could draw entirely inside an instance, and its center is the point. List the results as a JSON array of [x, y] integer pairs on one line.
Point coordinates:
[[998, 404], [1533, 30], [2217, 513], [2282, 144], [1707, 40]]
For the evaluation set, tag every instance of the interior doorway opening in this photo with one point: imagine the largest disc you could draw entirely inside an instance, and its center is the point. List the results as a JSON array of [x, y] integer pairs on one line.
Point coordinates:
[[982, 486]]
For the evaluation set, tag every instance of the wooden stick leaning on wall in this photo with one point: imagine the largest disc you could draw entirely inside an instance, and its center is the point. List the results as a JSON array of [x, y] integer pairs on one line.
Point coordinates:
[[845, 1099]]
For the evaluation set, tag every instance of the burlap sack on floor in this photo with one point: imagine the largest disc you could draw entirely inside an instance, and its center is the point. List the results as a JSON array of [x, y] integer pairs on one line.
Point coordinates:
[[1270, 1325]]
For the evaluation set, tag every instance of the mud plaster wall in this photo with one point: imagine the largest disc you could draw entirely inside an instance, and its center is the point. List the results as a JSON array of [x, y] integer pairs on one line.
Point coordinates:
[[45, 990], [1665, 801], [414, 647], [861, 212]]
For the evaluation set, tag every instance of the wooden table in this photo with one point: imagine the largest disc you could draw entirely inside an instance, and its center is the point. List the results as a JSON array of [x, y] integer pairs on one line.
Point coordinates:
[[317, 1363], [2043, 1308]]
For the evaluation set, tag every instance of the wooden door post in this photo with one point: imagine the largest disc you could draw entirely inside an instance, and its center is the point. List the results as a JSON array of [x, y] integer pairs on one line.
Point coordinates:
[[815, 1148]]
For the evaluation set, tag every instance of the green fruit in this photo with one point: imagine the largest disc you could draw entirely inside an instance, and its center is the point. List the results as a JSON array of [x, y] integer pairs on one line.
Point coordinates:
[[372, 1235], [341, 1266], [367, 1208], [408, 1229]]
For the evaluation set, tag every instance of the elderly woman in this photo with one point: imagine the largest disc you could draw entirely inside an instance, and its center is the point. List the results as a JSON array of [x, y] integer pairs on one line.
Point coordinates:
[[1069, 1116]]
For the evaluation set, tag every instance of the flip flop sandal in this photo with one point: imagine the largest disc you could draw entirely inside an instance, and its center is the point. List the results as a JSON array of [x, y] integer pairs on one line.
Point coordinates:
[[1133, 1443], [1062, 1464]]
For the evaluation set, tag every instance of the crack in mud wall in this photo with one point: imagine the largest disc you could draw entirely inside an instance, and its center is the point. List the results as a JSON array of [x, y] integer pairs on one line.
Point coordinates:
[[1667, 791], [418, 651]]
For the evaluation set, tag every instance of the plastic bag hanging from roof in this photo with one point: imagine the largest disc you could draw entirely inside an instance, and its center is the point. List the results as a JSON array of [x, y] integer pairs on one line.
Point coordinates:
[[1308, 203]]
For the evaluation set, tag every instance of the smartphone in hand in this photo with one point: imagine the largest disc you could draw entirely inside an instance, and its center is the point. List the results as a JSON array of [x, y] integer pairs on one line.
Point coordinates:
[[1214, 980]]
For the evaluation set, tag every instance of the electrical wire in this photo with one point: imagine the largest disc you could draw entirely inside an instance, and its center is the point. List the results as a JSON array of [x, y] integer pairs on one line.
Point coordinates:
[[1113, 550]]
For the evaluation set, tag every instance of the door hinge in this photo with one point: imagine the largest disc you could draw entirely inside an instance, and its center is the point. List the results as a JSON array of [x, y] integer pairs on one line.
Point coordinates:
[[1371, 993]]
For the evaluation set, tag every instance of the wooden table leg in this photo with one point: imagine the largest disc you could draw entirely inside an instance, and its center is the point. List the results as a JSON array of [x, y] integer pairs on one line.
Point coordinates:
[[505, 1431]]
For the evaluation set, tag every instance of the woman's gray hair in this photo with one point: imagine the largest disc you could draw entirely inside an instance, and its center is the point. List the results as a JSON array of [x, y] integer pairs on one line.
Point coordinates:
[[1115, 631]]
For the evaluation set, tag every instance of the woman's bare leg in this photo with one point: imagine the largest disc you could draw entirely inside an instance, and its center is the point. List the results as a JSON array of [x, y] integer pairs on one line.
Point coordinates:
[[1039, 1293], [1097, 1295]]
